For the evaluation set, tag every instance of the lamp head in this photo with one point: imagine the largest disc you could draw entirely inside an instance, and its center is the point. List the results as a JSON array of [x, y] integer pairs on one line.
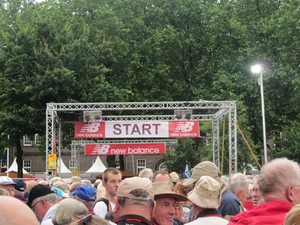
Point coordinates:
[[256, 69]]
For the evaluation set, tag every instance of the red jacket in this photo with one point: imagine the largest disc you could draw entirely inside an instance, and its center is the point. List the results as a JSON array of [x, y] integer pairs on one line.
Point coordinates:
[[272, 212]]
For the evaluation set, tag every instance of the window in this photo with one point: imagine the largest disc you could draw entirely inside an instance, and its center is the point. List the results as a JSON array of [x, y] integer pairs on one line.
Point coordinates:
[[37, 139], [72, 164], [27, 165], [26, 141], [140, 164]]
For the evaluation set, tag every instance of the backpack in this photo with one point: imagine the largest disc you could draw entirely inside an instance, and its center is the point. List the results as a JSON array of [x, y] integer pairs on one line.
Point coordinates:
[[105, 201]]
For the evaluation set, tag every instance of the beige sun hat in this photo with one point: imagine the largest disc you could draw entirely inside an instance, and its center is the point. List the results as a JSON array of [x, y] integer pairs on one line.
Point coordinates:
[[205, 168], [206, 193], [162, 190]]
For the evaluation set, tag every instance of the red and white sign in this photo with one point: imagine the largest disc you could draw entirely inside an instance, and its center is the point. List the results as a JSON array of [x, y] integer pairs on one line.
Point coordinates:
[[138, 129], [89, 130], [125, 149]]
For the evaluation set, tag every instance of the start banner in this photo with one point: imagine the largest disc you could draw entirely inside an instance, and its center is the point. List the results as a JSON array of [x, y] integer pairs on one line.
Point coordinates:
[[125, 149], [138, 129]]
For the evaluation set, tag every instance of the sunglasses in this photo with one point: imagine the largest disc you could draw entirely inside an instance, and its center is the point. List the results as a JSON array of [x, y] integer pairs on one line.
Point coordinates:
[[85, 219]]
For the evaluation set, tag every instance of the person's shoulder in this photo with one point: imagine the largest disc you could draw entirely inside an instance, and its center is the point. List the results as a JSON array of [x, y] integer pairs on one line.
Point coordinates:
[[229, 196]]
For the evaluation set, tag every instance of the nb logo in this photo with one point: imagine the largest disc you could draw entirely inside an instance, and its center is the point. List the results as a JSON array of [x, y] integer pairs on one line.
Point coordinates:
[[90, 127], [101, 149], [184, 127]]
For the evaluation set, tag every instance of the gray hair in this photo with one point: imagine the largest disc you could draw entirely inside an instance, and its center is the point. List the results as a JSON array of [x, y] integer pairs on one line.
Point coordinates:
[[146, 173], [277, 175], [237, 183], [66, 210], [50, 198]]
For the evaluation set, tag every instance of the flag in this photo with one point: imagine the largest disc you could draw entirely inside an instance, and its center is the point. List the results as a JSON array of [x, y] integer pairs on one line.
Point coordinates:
[[4, 159], [186, 172]]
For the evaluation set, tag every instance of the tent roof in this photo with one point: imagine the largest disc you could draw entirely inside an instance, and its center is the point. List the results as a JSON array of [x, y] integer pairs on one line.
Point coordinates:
[[63, 168], [97, 167], [14, 168]]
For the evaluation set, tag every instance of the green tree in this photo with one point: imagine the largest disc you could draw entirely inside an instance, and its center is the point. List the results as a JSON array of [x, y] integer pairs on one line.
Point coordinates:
[[184, 152]]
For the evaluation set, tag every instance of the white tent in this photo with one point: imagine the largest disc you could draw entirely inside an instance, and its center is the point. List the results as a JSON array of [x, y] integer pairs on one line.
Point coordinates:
[[97, 167], [14, 168], [63, 168]]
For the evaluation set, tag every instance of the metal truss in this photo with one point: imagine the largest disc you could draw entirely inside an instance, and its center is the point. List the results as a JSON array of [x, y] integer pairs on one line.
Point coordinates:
[[221, 108]]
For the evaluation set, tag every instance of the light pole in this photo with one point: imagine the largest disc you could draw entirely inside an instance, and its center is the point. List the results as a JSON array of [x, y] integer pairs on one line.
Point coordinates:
[[259, 69]]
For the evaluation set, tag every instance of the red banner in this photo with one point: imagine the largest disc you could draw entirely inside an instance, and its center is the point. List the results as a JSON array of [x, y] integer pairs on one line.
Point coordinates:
[[138, 129], [125, 149]]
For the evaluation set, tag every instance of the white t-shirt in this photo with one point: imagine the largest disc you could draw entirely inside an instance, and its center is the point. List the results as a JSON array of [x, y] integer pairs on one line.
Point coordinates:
[[100, 208]]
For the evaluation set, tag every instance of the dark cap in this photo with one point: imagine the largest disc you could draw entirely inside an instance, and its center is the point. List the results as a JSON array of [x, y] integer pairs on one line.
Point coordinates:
[[20, 185], [37, 191]]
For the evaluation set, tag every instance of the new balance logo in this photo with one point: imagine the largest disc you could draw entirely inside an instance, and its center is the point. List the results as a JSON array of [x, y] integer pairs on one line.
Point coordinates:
[[184, 127], [101, 149], [90, 128]]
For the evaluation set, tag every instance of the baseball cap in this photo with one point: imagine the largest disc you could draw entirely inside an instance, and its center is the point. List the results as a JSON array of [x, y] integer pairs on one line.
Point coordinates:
[[132, 183], [37, 191], [162, 190], [86, 193], [206, 193], [6, 181], [58, 191], [20, 185], [205, 168]]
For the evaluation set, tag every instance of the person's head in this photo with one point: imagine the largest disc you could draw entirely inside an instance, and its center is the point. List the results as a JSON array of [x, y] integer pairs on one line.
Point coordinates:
[[74, 179], [15, 212], [184, 190], [206, 194], [68, 211], [7, 184], [146, 173], [165, 203], [62, 186], [30, 184], [75, 185], [280, 180], [85, 194], [293, 216], [20, 187], [136, 195], [40, 199], [4, 192], [239, 186], [55, 179], [162, 175], [90, 220], [255, 193], [174, 178], [204, 168], [112, 178]]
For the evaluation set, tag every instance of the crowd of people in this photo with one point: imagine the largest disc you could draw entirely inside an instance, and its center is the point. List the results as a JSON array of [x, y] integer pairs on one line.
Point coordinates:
[[158, 198]]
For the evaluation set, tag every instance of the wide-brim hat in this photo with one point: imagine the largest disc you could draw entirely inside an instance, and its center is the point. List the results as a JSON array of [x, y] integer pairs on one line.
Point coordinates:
[[206, 193], [205, 168], [162, 190]]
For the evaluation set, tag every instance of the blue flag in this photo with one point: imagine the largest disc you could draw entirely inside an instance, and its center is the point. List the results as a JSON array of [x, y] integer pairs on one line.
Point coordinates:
[[4, 159], [186, 172]]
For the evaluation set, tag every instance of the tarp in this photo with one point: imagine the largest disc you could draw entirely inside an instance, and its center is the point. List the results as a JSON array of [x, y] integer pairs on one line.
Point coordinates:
[[63, 168], [14, 168], [97, 167]]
